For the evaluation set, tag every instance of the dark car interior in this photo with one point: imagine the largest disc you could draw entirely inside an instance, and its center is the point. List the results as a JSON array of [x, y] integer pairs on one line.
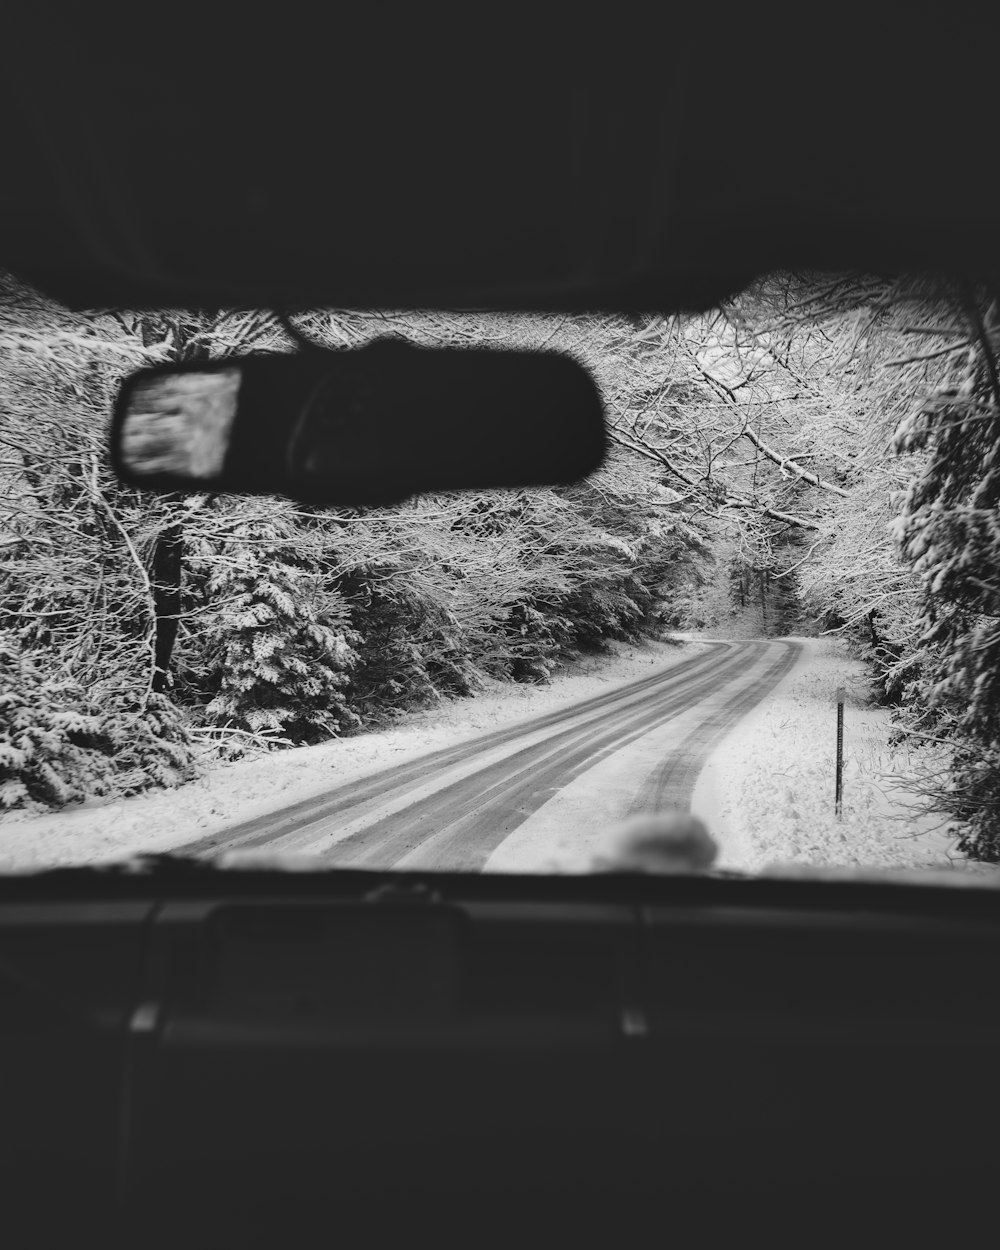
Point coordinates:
[[201, 1056]]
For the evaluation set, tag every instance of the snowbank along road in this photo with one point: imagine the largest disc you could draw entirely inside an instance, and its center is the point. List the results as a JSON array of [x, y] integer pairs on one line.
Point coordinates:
[[538, 794]]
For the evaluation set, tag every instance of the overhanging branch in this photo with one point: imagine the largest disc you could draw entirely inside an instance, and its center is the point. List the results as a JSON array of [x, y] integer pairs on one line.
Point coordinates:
[[783, 462], [728, 501]]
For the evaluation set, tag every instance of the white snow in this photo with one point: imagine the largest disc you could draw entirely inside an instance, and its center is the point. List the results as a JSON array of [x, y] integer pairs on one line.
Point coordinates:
[[228, 794], [767, 792], [579, 825]]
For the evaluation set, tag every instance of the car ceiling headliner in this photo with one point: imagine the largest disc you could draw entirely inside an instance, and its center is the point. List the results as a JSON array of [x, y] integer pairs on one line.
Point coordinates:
[[622, 161]]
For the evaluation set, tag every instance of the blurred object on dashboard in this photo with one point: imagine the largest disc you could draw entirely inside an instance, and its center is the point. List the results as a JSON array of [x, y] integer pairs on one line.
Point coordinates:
[[669, 841]]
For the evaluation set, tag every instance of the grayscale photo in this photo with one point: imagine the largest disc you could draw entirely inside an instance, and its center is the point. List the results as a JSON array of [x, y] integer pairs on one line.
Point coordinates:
[[499, 627]]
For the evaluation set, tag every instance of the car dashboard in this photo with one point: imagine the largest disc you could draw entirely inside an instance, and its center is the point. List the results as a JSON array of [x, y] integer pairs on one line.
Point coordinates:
[[242, 1050]]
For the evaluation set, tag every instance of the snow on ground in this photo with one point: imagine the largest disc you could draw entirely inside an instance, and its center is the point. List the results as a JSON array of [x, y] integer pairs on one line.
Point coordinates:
[[767, 792], [230, 793], [580, 823]]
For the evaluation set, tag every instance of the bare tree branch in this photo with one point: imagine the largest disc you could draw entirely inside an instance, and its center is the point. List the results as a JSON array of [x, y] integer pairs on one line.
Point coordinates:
[[786, 462]]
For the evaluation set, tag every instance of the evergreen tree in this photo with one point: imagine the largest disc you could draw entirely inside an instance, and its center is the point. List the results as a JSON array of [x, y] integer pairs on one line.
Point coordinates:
[[56, 747], [949, 530], [274, 648]]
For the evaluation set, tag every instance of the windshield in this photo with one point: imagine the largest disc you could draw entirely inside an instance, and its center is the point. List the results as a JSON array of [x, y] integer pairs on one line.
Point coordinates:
[[760, 638]]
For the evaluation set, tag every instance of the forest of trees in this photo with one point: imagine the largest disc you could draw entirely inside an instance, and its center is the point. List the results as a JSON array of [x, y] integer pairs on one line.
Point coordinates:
[[818, 452]]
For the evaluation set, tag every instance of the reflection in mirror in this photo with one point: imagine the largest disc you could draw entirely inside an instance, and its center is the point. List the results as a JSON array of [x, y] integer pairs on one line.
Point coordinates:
[[180, 423]]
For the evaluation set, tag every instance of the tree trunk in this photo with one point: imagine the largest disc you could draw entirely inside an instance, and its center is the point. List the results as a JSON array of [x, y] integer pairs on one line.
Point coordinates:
[[168, 553], [168, 559]]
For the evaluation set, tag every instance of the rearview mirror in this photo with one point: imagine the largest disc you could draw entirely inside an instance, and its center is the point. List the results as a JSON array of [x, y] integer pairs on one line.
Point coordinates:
[[365, 427]]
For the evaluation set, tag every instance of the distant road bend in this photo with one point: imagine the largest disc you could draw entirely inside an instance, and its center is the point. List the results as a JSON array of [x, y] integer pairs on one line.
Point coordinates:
[[637, 748]]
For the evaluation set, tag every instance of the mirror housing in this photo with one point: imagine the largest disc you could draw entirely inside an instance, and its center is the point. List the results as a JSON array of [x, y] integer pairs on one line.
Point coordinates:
[[364, 427]]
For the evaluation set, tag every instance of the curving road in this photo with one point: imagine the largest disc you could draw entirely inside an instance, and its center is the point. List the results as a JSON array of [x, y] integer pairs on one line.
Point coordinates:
[[526, 789]]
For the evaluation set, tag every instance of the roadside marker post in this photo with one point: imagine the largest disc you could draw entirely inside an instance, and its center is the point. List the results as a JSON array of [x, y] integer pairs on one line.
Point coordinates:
[[839, 793]]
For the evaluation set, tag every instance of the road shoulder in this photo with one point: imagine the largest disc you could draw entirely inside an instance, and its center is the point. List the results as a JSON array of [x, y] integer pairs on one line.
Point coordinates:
[[767, 791]]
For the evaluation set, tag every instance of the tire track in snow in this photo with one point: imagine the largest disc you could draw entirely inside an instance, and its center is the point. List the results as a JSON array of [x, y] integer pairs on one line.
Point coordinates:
[[452, 808]]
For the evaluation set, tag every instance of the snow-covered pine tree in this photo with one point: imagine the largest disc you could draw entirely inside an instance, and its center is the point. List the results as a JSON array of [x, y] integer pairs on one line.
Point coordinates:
[[273, 649], [52, 748], [949, 530], [58, 747]]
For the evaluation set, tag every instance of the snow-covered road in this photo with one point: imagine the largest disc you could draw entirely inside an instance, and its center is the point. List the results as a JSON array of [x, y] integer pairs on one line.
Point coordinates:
[[539, 794]]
